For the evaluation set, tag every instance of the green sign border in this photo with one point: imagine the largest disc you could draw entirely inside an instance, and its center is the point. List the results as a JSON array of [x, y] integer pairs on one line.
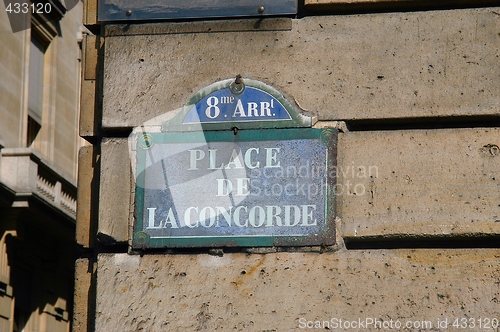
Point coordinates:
[[145, 141]]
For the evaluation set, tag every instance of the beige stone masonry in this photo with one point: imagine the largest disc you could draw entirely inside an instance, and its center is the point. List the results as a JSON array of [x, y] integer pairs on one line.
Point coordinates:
[[87, 196], [419, 183], [115, 186], [87, 109], [91, 56], [284, 291], [89, 121], [90, 12], [354, 67], [83, 296]]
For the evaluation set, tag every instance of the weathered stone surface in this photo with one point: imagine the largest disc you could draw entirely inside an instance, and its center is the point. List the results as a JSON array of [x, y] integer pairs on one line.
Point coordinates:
[[275, 24], [114, 194], [89, 106], [91, 56], [419, 183], [84, 296], [87, 109], [287, 291], [392, 65], [90, 12], [87, 190]]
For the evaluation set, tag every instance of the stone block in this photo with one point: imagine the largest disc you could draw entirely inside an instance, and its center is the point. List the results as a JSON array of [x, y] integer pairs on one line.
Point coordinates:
[[90, 97], [115, 189], [87, 196], [399, 65], [291, 291], [419, 183], [91, 55], [88, 126], [84, 296], [90, 12]]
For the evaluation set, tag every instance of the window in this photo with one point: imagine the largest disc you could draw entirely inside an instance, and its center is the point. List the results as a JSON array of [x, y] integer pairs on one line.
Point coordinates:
[[35, 87]]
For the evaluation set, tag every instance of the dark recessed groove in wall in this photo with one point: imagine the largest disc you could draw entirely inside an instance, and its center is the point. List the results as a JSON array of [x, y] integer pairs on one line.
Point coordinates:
[[485, 241], [489, 121], [377, 7], [119, 132]]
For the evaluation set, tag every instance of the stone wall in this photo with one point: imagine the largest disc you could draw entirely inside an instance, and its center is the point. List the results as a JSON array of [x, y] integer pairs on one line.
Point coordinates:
[[416, 98], [58, 140]]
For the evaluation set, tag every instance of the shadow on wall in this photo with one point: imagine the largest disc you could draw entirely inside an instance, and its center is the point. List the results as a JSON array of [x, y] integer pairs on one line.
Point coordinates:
[[36, 280]]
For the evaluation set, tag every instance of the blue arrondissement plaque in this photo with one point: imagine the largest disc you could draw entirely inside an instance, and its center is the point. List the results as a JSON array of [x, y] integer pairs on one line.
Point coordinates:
[[250, 105], [239, 186]]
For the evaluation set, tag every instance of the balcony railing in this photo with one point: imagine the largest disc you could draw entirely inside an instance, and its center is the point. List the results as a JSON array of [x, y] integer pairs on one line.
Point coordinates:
[[26, 173]]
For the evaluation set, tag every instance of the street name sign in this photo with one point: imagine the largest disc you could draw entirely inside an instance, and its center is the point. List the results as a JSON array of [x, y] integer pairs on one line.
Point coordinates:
[[237, 166]]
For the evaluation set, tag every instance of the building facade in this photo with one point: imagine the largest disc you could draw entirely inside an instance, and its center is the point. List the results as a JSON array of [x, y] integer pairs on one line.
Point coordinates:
[[40, 74], [412, 89]]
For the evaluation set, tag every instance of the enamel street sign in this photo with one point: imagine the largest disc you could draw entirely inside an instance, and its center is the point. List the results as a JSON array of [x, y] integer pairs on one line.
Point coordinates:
[[265, 180]]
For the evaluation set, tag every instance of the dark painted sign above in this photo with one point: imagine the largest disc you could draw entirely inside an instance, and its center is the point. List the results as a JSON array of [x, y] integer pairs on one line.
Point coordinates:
[[267, 183], [131, 10]]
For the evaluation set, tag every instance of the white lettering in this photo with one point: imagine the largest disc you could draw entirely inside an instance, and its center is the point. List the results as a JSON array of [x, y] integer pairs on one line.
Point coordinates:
[[235, 160], [306, 215], [171, 220], [212, 155], [226, 99], [243, 216], [212, 103], [211, 216], [271, 156], [227, 215], [273, 216], [262, 216], [264, 107], [239, 110], [252, 107], [296, 215], [151, 219], [242, 187], [194, 156], [187, 217], [248, 158], [256, 216], [237, 216], [224, 187]]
